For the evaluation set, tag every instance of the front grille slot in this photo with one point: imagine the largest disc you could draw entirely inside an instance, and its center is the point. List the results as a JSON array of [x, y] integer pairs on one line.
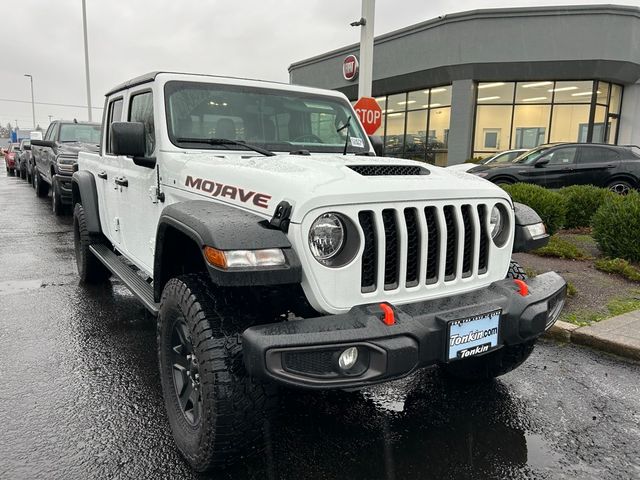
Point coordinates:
[[414, 246], [467, 258], [433, 245], [392, 247], [452, 243], [484, 239], [369, 263], [317, 363]]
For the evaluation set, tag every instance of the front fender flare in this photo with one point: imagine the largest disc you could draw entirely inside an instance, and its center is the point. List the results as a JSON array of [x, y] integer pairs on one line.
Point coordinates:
[[84, 192], [223, 227]]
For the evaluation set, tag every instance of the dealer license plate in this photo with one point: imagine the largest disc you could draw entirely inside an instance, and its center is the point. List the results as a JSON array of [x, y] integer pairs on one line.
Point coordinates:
[[473, 335]]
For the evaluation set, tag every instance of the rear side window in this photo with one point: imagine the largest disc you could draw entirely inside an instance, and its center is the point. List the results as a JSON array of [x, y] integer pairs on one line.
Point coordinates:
[[114, 115], [598, 155], [141, 110], [562, 156]]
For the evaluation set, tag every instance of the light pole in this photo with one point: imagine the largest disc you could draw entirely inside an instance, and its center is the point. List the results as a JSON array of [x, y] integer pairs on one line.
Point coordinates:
[[33, 103], [86, 56], [366, 47]]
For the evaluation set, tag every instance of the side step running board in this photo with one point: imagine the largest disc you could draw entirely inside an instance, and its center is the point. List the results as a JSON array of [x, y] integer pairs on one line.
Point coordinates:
[[131, 279]]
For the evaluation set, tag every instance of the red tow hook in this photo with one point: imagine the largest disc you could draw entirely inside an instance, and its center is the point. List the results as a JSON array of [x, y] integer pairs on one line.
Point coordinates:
[[389, 317], [523, 288]]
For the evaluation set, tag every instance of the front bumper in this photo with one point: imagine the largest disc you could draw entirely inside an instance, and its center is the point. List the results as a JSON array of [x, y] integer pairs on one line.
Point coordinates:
[[64, 182], [304, 353]]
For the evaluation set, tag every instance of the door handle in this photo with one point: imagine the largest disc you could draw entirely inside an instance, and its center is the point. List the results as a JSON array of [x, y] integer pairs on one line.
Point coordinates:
[[611, 165], [102, 175], [123, 182]]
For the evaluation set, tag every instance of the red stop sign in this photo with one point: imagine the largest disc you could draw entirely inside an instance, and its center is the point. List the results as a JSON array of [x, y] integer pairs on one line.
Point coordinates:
[[369, 113]]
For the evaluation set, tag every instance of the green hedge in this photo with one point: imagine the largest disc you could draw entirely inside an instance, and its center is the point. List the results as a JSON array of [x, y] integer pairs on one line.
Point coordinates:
[[581, 202], [548, 204], [616, 227]]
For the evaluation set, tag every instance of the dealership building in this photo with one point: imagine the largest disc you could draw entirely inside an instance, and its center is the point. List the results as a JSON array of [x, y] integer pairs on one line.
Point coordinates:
[[473, 83]]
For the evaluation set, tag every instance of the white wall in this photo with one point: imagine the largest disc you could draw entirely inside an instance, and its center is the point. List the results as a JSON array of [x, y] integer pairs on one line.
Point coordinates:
[[629, 132]]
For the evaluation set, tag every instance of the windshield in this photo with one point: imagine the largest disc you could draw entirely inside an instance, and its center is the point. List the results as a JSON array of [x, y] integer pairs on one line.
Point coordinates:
[[272, 119], [25, 143], [530, 157], [79, 132]]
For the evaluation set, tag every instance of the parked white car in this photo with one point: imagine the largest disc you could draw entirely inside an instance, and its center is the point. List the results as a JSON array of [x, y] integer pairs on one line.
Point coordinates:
[[507, 156]]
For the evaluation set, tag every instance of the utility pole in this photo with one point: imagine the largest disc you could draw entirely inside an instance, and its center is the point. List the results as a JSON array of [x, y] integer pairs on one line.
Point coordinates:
[[366, 48], [86, 56], [33, 103]]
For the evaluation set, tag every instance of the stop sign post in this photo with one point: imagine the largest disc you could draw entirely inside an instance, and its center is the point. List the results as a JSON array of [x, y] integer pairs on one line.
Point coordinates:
[[369, 113]]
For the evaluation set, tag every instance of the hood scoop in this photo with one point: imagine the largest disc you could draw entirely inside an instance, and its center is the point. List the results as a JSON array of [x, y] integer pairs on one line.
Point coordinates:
[[388, 170]]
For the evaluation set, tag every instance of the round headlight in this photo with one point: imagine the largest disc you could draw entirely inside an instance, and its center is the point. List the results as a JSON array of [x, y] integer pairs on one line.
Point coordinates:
[[326, 236], [496, 222]]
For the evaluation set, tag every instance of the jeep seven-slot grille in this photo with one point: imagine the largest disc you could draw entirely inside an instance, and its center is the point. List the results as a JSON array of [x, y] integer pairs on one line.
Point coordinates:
[[451, 238]]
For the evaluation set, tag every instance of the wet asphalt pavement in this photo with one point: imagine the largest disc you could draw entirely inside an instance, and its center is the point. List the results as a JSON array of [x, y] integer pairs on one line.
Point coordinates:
[[80, 394]]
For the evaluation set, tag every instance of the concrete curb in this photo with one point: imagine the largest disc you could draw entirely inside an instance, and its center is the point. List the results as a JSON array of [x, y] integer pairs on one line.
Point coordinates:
[[618, 335]]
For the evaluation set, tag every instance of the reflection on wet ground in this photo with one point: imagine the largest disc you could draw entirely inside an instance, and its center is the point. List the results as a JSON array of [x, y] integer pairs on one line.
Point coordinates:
[[80, 395]]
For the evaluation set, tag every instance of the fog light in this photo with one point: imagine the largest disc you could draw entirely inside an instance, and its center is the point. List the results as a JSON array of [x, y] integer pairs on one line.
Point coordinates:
[[348, 358]]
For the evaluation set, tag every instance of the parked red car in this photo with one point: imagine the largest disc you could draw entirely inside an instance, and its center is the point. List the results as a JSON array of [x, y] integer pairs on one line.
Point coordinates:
[[10, 158]]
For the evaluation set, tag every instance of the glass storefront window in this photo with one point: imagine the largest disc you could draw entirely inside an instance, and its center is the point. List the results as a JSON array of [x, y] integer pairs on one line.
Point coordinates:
[[440, 96], [438, 135], [418, 99], [573, 92], [600, 126], [602, 94], [545, 111], [495, 92], [566, 122], [415, 138], [396, 103], [493, 127], [616, 97], [530, 124], [534, 92], [394, 137]]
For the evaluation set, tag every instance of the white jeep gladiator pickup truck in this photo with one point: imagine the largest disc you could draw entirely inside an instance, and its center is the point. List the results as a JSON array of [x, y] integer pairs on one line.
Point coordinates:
[[275, 246]]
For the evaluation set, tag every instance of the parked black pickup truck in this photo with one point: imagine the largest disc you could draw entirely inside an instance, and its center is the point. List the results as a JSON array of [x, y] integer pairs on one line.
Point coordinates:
[[55, 158]]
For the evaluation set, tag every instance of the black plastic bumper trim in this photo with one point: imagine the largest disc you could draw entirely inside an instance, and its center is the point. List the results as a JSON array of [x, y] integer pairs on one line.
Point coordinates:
[[418, 338]]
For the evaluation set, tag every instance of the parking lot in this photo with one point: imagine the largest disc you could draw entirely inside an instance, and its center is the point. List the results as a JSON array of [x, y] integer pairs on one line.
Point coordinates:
[[80, 394]]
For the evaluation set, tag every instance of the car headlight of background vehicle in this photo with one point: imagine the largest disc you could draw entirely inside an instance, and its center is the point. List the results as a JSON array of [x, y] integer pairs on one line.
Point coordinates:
[[326, 237], [66, 163]]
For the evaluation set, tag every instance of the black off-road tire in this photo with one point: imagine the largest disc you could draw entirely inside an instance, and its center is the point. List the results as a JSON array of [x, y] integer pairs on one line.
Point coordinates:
[[23, 173], [42, 187], [90, 269], [516, 271], [224, 412], [56, 200], [489, 366]]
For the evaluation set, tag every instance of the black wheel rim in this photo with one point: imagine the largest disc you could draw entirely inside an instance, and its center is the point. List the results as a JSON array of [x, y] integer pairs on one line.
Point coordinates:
[[186, 373], [619, 188]]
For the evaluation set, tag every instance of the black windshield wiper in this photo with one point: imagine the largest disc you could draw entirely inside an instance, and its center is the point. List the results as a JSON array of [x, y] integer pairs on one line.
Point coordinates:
[[226, 141], [346, 125]]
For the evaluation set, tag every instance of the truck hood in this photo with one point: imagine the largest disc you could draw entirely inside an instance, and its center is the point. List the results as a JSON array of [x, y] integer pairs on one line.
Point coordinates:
[[320, 180]]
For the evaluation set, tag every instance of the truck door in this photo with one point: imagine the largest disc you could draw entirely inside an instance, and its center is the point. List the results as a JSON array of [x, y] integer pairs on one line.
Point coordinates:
[[139, 205], [107, 170]]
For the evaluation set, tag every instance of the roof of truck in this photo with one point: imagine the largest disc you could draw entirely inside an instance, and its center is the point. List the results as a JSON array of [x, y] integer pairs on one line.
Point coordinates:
[[151, 76]]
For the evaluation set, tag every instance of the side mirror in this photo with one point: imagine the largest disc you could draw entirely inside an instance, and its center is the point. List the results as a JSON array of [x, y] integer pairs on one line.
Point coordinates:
[[127, 139], [43, 143], [378, 145], [542, 162]]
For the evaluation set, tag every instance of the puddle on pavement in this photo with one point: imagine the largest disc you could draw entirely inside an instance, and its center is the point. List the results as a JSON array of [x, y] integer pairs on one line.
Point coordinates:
[[18, 286]]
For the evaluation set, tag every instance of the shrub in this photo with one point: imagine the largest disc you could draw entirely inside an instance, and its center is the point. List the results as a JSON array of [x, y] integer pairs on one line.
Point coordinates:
[[561, 248], [616, 227], [548, 204], [619, 266], [581, 203]]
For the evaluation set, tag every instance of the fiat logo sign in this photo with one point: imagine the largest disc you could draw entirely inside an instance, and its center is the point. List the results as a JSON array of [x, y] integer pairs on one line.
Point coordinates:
[[350, 68]]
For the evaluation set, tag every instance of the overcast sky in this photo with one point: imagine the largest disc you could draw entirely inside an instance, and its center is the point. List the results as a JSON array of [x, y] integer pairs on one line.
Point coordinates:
[[257, 38]]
